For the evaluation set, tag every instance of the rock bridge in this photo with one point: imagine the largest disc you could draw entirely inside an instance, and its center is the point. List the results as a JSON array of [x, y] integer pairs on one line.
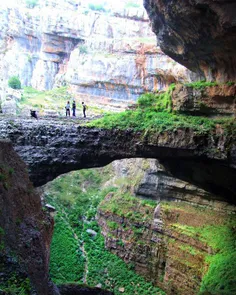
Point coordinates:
[[53, 148]]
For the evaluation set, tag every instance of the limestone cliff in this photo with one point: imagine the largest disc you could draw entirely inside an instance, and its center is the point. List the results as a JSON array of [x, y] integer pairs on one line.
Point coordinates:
[[103, 56], [199, 34]]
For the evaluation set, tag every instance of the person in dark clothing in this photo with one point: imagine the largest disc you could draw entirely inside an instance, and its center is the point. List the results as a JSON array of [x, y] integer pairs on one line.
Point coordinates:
[[84, 109], [33, 114], [73, 108], [67, 107]]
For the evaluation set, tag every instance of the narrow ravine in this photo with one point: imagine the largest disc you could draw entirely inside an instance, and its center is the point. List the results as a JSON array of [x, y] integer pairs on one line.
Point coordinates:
[[75, 220]]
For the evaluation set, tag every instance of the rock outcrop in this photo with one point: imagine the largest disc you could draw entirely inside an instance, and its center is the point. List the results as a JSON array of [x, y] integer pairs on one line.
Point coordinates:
[[199, 34], [53, 148], [218, 100], [26, 230]]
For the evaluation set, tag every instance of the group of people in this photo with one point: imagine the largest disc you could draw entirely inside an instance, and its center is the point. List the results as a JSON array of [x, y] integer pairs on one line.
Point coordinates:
[[67, 107]]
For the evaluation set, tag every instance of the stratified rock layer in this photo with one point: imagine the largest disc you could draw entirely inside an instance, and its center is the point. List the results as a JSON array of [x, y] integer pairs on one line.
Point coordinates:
[[155, 238], [199, 34]]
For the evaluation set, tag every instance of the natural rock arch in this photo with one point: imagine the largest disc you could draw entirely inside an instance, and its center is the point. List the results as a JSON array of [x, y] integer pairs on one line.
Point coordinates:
[[51, 149]]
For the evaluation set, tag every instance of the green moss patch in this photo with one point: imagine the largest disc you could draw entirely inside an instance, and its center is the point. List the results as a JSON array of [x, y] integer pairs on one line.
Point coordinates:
[[201, 84], [220, 277], [132, 208], [154, 114]]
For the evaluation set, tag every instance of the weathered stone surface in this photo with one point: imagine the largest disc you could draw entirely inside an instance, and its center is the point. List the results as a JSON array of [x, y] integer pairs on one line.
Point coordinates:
[[53, 148], [9, 101], [103, 57], [214, 100], [199, 34], [148, 179], [26, 229], [152, 242]]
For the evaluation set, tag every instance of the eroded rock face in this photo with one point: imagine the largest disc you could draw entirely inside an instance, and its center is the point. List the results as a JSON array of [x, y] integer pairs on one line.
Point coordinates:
[[199, 34], [149, 238], [215, 100], [26, 229], [53, 148]]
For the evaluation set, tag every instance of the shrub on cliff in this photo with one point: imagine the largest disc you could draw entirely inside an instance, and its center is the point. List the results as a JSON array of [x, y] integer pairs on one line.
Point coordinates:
[[97, 7], [14, 82], [31, 3], [83, 49], [132, 4]]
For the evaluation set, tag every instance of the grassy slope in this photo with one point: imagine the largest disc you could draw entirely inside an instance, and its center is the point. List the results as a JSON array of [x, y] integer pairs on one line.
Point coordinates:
[[218, 232], [54, 100], [76, 197], [154, 113]]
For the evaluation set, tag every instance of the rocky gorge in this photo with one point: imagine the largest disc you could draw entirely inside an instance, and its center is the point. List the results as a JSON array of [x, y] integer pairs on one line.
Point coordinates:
[[170, 218], [160, 241]]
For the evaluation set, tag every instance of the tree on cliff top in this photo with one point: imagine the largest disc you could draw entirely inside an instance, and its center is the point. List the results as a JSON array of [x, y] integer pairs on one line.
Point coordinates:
[[14, 82]]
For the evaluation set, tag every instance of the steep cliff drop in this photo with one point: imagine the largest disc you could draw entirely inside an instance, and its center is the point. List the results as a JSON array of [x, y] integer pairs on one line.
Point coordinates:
[[25, 229]]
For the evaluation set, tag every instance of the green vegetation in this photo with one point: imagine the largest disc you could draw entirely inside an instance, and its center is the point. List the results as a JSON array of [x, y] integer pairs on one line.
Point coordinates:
[[53, 100], [106, 268], [113, 225], [160, 102], [220, 278], [97, 7], [202, 84], [31, 3], [16, 284], [133, 208], [230, 83], [215, 231], [14, 82], [76, 198], [131, 4], [73, 196], [83, 49], [154, 114], [149, 119]]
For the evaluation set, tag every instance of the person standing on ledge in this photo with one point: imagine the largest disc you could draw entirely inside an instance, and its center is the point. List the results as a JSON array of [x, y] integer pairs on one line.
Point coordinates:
[[84, 109], [67, 107], [73, 108]]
